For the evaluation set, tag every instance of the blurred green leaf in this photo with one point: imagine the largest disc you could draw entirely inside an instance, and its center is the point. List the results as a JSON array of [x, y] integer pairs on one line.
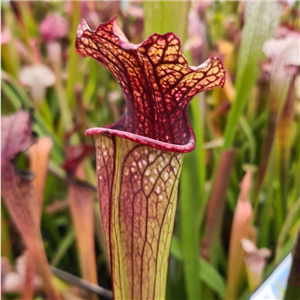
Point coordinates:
[[73, 73], [63, 247], [292, 217], [261, 20], [207, 273], [163, 16]]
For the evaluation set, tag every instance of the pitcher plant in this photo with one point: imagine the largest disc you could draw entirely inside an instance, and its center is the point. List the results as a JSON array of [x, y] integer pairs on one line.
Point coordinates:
[[139, 157]]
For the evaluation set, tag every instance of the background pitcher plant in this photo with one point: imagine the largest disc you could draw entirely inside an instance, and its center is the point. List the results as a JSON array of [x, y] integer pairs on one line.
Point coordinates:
[[139, 157]]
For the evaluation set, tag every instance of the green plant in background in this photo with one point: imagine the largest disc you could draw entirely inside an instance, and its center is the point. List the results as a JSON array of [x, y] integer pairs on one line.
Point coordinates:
[[241, 182]]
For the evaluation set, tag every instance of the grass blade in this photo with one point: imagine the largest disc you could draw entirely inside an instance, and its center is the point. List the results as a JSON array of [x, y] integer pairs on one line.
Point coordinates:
[[207, 273], [290, 221], [261, 20], [190, 238], [216, 206]]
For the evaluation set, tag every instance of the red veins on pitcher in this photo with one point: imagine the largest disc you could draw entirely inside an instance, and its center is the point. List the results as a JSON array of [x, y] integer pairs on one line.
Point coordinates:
[[139, 157]]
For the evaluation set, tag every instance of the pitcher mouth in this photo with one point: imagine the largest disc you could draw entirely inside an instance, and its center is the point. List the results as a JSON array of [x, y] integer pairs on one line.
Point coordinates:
[[188, 147], [157, 82]]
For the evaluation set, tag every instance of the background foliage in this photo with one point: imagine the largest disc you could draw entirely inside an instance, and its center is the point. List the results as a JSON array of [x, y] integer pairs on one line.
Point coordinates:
[[242, 180]]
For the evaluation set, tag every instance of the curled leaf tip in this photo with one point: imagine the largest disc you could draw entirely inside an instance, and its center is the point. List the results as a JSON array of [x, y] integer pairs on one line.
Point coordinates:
[[157, 82]]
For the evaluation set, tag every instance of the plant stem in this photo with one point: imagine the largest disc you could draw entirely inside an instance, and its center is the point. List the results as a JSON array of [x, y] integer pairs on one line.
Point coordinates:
[[72, 68]]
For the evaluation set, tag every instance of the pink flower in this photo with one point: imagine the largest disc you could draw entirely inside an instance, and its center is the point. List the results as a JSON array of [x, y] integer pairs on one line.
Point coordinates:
[[54, 27]]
